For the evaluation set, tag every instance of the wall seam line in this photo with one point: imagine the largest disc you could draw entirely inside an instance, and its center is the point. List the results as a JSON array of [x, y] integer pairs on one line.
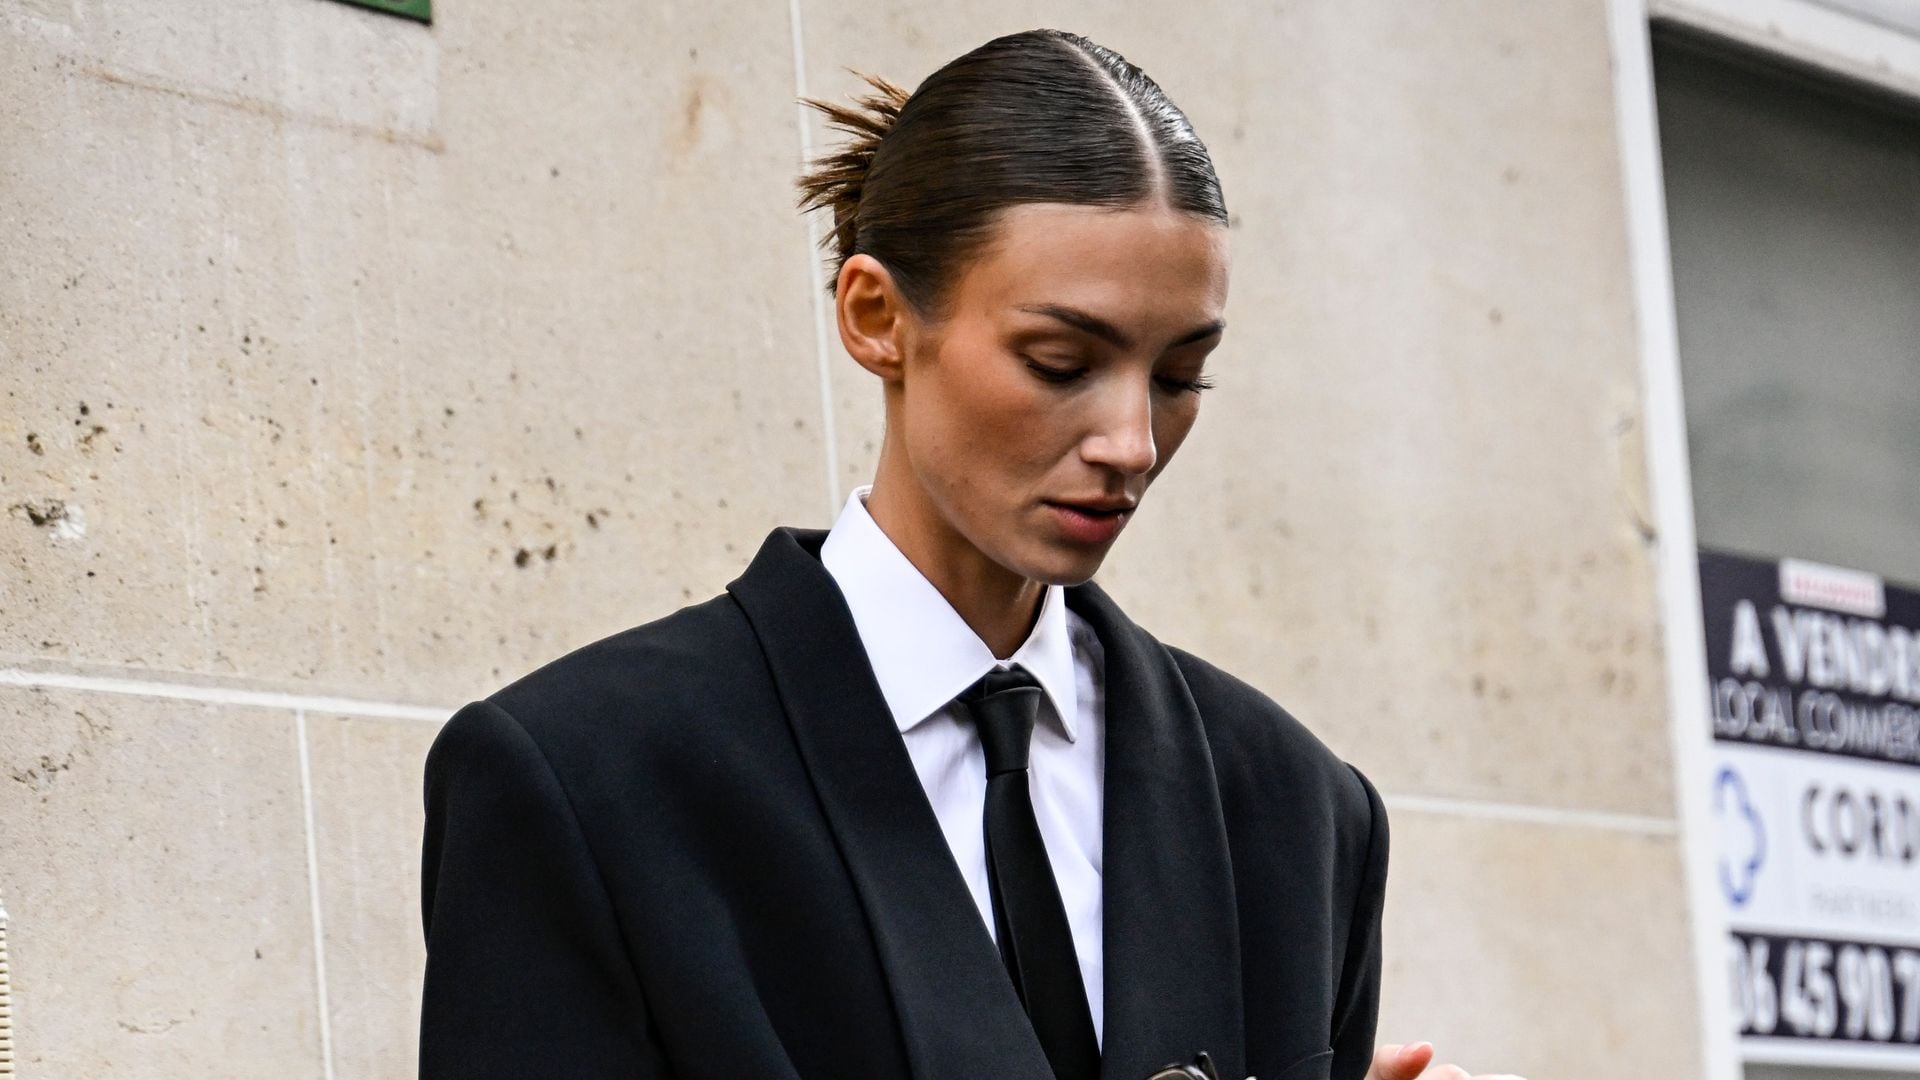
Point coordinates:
[[301, 704], [221, 695], [325, 1008], [816, 301], [1521, 813]]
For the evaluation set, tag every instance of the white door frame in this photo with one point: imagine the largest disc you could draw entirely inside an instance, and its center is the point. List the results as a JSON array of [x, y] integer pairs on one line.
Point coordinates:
[[1808, 33]]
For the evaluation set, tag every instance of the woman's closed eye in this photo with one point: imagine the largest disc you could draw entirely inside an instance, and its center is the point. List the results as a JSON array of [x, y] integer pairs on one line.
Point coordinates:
[[1056, 372], [1060, 373], [1178, 385]]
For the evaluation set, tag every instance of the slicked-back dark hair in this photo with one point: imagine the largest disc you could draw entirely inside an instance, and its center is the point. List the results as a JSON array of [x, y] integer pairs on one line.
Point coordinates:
[[1041, 116]]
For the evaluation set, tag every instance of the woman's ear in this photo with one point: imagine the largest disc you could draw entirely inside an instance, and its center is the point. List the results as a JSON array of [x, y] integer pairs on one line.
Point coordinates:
[[873, 317]]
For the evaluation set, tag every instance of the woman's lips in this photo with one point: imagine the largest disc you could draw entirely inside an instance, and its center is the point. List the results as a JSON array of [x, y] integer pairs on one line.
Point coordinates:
[[1088, 524]]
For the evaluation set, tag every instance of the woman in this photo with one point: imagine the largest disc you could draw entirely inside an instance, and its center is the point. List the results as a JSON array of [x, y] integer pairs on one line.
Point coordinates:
[[913, 797]]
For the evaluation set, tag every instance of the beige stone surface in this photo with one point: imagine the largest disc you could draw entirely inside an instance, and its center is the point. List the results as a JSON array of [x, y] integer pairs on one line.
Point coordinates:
[[306, 63], [1551, 952], [343, 355], [368, 817], [153, 863], [398, 411], [1413, 508]]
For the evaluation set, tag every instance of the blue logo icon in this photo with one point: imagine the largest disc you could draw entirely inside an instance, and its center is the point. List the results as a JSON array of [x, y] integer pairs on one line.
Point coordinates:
[[1743, 840]]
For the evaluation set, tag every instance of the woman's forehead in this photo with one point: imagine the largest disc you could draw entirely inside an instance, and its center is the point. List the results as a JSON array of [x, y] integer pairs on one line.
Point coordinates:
[[1116, 264]]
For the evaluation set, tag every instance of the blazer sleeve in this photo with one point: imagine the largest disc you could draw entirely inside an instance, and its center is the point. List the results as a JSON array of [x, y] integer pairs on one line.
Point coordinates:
[[1357, 1006], [527, 971]]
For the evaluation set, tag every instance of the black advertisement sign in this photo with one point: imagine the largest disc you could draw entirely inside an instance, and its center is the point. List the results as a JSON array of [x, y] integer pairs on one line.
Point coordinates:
[[1814, 707]]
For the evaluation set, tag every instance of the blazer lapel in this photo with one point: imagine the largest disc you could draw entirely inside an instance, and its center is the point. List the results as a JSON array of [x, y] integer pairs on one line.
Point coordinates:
[[1172, 935], [959, 1016]]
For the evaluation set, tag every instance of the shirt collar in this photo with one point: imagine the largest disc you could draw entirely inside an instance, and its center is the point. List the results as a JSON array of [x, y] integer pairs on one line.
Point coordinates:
[[922, 652]]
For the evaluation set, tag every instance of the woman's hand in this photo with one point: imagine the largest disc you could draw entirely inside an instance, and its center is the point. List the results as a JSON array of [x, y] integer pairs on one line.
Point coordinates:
[[1394, 1062]]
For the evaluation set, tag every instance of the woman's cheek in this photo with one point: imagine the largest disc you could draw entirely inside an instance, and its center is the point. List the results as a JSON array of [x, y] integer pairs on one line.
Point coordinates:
[[1170, 432]]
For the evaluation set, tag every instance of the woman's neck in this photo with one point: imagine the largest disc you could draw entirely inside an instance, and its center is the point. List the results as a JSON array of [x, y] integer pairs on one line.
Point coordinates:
[[998, 604]]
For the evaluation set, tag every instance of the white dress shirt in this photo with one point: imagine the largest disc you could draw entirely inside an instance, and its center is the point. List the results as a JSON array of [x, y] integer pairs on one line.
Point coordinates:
[[924, 655]]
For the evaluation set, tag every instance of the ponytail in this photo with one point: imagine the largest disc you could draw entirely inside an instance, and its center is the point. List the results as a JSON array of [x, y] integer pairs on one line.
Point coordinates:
[[836, 180]]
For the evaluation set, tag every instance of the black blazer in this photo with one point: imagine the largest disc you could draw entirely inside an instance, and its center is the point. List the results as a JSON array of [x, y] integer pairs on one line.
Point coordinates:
[[698, 849]]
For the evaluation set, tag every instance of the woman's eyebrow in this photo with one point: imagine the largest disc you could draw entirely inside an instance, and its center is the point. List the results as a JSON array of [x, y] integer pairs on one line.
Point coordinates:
[[1111, 334]]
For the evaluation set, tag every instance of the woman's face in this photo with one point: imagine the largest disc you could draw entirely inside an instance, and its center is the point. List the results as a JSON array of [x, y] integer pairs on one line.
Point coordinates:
[[1066, 374]]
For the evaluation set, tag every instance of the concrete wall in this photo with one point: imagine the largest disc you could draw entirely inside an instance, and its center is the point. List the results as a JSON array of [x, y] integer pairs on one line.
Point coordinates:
[[346, 361]]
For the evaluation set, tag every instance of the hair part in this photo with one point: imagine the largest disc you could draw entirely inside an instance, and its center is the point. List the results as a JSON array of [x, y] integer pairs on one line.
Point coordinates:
[[1032, 117]]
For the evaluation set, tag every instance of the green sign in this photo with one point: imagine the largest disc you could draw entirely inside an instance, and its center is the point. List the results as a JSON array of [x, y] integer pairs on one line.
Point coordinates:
[[412, 9]]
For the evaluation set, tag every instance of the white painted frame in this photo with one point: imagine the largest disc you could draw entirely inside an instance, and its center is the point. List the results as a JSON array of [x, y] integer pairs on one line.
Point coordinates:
[[1832, 41], [1793, 1052], [1809, 33], [1670, 488]]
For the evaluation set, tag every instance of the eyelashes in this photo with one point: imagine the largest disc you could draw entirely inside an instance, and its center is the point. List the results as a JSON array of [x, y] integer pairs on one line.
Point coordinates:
[[1061, 376], [1188, 386], [1052, 374]]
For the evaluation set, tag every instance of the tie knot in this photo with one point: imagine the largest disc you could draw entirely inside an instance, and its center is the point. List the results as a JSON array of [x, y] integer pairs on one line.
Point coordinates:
[[1003, 704]]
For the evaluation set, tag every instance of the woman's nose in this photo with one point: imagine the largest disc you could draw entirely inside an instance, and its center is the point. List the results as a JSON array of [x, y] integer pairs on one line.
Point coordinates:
[[1122, 436]]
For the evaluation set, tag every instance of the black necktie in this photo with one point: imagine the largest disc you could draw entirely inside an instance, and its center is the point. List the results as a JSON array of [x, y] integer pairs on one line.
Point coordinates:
[[1029, 920]]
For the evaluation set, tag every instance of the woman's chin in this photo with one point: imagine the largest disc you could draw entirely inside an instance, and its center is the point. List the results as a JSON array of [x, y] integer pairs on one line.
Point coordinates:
[[1058, 564]]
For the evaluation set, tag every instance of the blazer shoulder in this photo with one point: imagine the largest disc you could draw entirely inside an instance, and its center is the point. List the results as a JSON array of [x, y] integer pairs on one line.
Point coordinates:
[[682, 664], [1260, 746]]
